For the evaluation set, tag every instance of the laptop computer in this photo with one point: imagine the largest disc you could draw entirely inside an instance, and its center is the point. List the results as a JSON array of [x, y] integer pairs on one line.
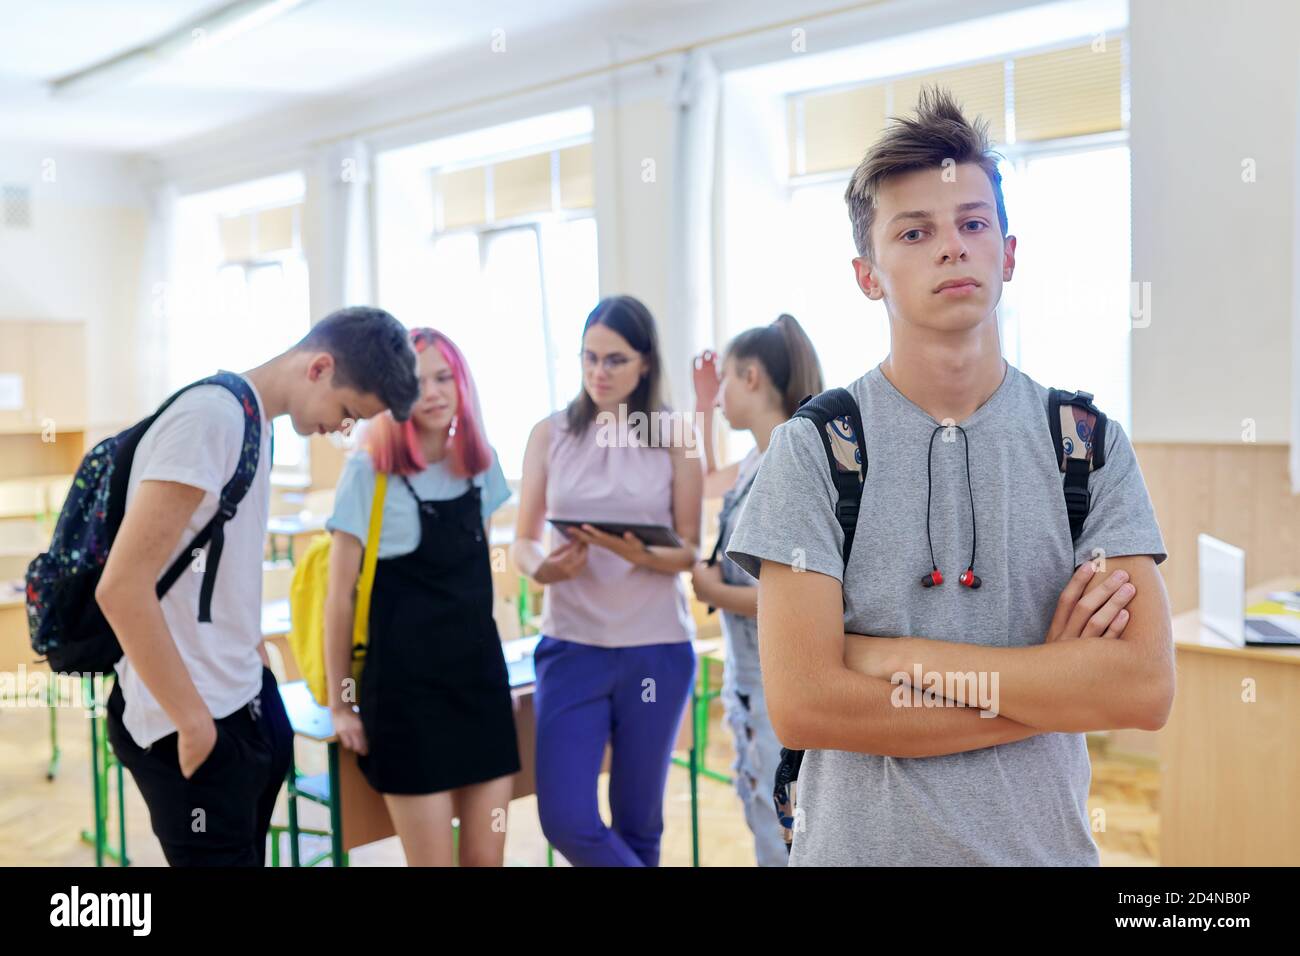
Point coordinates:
[[1222, 569]]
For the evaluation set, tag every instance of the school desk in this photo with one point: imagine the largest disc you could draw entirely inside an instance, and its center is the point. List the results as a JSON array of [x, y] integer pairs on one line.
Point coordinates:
[[293, 532], [1230, 752], [360, 815], [275, 630]]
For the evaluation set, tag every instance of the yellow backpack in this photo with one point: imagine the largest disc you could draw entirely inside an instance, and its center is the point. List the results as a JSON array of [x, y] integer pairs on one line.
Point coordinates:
[[307, 602]]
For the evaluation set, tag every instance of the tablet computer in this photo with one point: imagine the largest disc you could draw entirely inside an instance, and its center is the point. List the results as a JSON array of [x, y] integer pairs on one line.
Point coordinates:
[[651, 535]]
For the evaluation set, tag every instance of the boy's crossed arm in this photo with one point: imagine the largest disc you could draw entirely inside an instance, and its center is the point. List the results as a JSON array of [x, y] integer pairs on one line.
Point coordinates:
[[817, 700], [1067, 686]]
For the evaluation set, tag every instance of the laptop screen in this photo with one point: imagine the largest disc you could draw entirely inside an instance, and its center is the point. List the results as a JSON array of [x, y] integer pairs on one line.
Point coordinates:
[[1222, 569]]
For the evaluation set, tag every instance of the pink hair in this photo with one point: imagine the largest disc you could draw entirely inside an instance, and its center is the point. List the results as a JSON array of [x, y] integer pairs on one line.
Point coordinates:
[[395, 446]]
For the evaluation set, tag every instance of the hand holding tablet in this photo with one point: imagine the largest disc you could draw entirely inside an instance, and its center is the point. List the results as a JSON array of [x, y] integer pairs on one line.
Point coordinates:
[[649, 535]]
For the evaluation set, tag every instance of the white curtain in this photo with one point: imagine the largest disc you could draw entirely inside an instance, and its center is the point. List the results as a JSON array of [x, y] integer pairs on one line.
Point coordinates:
[[336, 229], [158, 297], [689, 325]]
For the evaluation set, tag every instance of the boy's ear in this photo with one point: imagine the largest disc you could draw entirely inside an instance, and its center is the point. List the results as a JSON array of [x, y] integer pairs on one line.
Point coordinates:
[[1008, 258], [865, 272], [320, 363]]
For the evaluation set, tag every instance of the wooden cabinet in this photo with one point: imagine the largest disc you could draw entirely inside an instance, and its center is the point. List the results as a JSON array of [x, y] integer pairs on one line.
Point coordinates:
[[1229, 755], [50, 359], [58, 362], [15, 360]]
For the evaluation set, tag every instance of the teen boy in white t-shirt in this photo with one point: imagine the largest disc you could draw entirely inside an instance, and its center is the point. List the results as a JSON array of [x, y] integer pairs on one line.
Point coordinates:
[[195, 715]]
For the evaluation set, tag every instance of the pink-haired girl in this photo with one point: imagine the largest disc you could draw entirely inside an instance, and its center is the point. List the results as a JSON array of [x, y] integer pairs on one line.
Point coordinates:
[[432, 723]]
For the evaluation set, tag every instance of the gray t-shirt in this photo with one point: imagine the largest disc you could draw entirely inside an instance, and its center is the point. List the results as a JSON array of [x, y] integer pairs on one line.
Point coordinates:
[[1021, 803]]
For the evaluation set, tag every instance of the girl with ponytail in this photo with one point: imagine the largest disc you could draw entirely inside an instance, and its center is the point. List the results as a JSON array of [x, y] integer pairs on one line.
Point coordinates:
[[766, 372]]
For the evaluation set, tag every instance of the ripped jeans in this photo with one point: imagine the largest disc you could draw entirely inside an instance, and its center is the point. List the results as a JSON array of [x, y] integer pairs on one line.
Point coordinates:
[[757, 749]]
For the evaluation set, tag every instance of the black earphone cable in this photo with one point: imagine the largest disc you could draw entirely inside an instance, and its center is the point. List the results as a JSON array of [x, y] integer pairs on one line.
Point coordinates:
[[929, 489], [929, 486]]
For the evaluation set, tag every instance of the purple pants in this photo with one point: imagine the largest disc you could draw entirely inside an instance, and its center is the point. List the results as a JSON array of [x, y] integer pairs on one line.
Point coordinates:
[[631, 698]]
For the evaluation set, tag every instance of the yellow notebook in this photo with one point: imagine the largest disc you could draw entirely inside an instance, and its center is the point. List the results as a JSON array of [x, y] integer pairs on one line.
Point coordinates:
[[1271, 607]]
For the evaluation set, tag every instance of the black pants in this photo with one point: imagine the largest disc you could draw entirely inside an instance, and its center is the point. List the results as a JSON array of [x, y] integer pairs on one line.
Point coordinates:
[[220, 815]]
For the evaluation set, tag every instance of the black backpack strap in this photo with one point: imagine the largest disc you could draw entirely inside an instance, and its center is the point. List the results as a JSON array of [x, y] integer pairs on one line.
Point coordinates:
[[1079, 441], [231, 494], [839, 423]]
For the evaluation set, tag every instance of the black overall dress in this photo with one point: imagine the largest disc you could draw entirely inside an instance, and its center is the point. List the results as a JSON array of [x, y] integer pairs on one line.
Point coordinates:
[[435, 697]]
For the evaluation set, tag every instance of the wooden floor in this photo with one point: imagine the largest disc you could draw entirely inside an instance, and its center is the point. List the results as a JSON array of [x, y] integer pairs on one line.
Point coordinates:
[[41, 820]]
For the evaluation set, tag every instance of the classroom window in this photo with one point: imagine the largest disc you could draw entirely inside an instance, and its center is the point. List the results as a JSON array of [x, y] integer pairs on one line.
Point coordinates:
[[1066, 313], [1056, 115], [498, 251], [514, 300], [239, 289]]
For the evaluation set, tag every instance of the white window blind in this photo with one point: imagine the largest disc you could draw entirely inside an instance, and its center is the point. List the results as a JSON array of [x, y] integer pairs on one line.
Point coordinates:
[[263, 233], [1071, 91], [514, 189]]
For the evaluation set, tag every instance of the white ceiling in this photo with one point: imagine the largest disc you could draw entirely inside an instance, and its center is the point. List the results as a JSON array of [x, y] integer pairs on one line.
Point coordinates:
[[320, 49]]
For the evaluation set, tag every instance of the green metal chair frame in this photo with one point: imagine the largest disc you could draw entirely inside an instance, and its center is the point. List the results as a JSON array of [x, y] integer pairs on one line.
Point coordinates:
[[102, 764]]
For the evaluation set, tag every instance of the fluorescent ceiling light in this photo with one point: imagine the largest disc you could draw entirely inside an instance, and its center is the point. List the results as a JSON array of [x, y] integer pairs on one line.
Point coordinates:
[[201, 33]]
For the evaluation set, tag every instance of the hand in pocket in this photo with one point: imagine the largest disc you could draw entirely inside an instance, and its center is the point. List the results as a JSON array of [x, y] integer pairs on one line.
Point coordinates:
[[196, 748]]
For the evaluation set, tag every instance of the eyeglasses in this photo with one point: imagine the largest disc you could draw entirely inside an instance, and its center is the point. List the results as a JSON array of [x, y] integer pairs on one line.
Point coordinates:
[[612, 362]]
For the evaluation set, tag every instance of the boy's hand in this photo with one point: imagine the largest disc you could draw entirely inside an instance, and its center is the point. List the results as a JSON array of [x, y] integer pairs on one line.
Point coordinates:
[[1099, 613], [195, 746]]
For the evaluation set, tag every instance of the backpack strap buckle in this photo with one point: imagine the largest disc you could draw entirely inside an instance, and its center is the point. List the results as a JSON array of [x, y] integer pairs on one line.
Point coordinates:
[[1078, 497]]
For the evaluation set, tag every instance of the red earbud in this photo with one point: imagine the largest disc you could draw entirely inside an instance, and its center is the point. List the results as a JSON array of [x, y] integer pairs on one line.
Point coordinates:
[[967, 578]]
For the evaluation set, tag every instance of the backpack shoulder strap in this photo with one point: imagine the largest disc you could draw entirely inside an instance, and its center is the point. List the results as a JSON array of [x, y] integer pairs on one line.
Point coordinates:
[[839, 423], [232, 493], [1078, 430]]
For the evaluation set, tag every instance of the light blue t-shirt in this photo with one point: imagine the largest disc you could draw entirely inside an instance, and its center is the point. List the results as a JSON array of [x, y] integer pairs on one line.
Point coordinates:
[[400, 533]]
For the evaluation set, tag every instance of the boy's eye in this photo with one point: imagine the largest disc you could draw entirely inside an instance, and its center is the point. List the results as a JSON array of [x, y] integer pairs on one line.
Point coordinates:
[[976, 222], [910, 232]]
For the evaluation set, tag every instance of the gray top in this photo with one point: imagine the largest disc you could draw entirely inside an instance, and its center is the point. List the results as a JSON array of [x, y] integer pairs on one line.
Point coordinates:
[[737, 626], [1022, 803]]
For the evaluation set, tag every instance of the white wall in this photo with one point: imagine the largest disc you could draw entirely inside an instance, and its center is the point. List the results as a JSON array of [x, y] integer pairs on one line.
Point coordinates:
[[80, 261], [1214, 84]]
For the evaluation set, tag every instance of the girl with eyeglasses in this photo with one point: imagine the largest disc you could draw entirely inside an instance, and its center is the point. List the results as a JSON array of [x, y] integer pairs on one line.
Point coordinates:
[[615, 663]]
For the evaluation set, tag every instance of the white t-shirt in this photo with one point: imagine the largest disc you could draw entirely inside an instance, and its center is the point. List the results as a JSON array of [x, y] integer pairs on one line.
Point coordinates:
[[197, 442]]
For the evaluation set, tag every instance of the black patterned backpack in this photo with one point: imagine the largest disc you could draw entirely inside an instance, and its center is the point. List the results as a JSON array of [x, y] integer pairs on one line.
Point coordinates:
[[67, 627]]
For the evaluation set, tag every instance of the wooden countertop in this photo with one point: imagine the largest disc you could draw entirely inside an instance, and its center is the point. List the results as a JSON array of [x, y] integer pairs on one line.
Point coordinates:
[[1189, 635]]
